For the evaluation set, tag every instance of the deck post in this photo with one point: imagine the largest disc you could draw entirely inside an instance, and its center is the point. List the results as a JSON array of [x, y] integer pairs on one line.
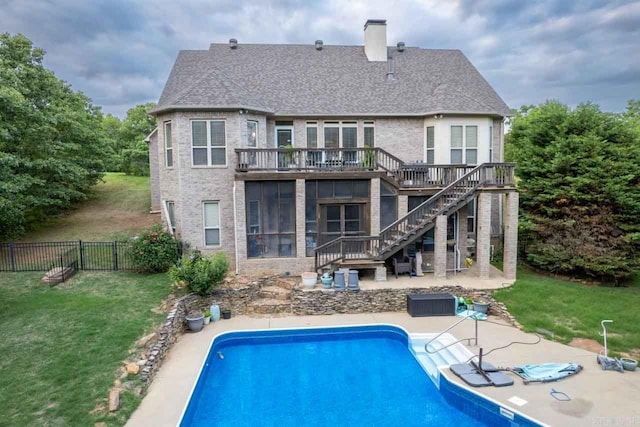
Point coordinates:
[[483, 235], [510, 253], [375, 206], [440, 248]]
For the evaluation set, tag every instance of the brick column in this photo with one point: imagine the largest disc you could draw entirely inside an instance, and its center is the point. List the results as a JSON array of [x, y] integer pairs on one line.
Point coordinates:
[[483, 235], [375, 206], [403, 205], [241, 223], [440, 248], [300, 219], [510, 252], [463, 232]]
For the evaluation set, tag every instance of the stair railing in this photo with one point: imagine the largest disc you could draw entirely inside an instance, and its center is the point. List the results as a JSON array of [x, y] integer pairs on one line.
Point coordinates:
[[474, 316]]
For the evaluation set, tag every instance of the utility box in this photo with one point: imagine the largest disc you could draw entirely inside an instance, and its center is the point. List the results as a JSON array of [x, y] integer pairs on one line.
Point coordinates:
[[437, 304]]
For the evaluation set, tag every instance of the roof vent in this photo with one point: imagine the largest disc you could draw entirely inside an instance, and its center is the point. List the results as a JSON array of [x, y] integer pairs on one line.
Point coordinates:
[[233, 43], [319, 44], [400, 46]]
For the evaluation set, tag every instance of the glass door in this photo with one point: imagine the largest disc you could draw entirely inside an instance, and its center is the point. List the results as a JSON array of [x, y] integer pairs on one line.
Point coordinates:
[[284, 139], [341, 220]]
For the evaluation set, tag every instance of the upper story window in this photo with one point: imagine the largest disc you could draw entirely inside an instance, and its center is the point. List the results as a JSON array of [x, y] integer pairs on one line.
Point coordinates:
[[168, 145], [312, 134], [431, 145], [464, 144], [349, 134], [208, 143], [331, 134], [252, 133], [369, 134]]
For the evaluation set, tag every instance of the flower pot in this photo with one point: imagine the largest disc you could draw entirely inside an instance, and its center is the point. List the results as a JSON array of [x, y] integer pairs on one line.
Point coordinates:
[[326, 281], [309, 280], [481, 307], [226, 314], [629, 364], [207, 320], [195, 323]]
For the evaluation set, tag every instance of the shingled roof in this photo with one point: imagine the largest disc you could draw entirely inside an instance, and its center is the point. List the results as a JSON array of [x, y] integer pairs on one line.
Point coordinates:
[[299, 80]]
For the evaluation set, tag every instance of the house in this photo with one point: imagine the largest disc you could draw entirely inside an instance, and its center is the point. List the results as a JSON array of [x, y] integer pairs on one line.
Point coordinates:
[[296, 158]]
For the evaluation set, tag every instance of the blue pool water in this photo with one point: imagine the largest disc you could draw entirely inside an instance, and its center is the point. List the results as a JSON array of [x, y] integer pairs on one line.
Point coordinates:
[[358, 376]]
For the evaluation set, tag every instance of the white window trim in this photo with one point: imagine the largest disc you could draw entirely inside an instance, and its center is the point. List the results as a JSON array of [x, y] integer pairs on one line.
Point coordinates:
[[208, 146], [164, 135], [372, 125], [204, 227], [464, 147], [306, 135], [426, 144], [340, 125], [283, 127], [247, 140], [490, 144], [165, 208]]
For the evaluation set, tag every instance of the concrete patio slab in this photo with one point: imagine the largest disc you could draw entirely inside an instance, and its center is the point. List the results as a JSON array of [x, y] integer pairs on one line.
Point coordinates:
[[598, 398]]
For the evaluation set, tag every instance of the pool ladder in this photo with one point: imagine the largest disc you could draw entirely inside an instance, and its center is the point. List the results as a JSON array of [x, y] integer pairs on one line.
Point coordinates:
[[474, 338]]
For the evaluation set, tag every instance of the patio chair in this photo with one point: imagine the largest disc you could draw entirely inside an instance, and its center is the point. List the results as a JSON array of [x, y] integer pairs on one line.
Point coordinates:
[[404, 266]]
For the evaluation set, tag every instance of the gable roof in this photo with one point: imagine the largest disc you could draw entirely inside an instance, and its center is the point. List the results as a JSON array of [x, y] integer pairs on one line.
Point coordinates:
[[298, 80]]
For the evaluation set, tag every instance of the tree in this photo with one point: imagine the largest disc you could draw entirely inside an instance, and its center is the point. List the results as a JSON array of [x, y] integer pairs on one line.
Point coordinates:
[[51, 144], [129, 152], [579, 182]]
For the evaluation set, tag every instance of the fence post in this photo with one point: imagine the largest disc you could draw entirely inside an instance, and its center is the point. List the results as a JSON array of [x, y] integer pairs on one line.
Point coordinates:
[[115, 256], [81, 254], [12, 256]]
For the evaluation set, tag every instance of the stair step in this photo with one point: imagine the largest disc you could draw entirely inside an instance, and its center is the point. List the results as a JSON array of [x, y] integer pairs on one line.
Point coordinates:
[[268, 306], [287, 283], [276, 293]]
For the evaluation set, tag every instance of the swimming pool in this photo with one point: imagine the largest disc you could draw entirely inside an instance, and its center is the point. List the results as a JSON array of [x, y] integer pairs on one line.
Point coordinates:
[[357, 375]]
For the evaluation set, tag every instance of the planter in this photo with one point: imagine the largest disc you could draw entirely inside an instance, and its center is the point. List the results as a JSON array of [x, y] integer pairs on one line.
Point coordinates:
[[326, 281], [207, 320], [215, 312], [481, 307], [226, 314], [195, 322], [309, 280], [629, 364]]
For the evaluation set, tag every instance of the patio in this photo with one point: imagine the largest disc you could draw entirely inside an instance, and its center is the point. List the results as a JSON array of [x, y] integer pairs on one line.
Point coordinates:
[[601, 398]]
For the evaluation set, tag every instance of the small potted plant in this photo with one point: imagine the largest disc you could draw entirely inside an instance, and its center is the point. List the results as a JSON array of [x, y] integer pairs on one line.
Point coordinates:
[[326, 280], [195, 320], [226, 313], [207, 317], [481, 306]]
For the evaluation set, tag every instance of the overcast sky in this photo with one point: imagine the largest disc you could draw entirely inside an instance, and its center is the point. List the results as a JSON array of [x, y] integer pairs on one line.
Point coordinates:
[[120, 53]]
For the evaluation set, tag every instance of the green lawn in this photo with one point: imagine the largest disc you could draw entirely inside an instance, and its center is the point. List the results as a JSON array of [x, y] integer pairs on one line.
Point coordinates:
[[119, 206], [572, 310], [62, 347]]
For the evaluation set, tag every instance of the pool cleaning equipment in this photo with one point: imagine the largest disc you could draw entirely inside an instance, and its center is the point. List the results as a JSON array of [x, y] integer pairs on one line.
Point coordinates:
[[608, 363]]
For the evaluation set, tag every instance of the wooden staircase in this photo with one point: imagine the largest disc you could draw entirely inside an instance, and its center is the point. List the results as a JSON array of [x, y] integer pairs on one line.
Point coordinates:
[[414, 224]]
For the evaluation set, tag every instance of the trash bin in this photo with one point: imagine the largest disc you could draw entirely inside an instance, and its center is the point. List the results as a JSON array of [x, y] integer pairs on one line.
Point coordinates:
[[338, 280], [353, 279]]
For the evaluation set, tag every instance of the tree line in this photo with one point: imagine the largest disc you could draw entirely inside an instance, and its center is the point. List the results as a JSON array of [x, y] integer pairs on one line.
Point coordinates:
[[55, 144]]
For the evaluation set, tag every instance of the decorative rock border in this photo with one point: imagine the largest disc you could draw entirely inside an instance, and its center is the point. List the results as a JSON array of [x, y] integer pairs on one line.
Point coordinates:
[[304, 302]]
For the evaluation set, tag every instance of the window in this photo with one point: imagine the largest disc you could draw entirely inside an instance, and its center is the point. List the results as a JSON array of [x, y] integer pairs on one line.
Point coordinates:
[[168, 145], [388, 205], [208, 142], [431, 145], [252, 134], [350, 140], [332, 135], [171, 216], [464, 144], [490, 144], [312, 134], [211, 211], [271, 219], [369, 134], [471, 216]]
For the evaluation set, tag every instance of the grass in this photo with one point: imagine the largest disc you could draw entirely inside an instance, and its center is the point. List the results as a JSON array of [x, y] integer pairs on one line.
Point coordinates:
[[62, 347], [119, 206], [573, 310]]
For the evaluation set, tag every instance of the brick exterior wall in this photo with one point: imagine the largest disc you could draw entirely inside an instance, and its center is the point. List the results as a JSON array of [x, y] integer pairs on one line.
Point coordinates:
[[510, 254], [154, 172], [483, 241]]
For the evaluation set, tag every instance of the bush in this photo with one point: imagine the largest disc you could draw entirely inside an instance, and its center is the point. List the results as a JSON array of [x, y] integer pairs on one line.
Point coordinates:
[[201, 274], [155, 251]]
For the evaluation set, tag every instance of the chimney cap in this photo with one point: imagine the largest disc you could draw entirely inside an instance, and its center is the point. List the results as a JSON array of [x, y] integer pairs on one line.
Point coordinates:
[[375, 22], [233, 43], [400, 46], [319, 44]]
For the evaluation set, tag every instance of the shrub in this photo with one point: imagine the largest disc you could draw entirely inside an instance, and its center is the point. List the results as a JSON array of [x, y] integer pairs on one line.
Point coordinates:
[[155, 251], [201, 274]]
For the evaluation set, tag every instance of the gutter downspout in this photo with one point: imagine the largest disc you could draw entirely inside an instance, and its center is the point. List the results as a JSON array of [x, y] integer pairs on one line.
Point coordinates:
[[235, 227]]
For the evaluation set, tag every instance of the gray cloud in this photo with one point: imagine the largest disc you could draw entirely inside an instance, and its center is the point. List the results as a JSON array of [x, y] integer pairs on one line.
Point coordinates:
[[120, 52]]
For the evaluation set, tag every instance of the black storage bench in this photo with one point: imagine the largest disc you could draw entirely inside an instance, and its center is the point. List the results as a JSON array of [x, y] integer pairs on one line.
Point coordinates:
[[437, 304]]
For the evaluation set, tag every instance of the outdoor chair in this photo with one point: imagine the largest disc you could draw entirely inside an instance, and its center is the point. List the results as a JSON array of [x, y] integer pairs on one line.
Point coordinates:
[[403, 266]]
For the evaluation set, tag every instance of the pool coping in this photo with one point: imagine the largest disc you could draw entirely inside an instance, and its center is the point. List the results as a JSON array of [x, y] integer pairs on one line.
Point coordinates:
[[441, 370]]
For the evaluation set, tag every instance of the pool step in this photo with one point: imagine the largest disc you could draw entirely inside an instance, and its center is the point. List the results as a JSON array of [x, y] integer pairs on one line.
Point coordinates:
[[275, 292], [442, 359], [269, 306]]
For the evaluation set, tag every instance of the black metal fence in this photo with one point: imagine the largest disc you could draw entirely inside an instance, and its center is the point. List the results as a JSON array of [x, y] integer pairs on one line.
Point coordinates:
[[79, 255]]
